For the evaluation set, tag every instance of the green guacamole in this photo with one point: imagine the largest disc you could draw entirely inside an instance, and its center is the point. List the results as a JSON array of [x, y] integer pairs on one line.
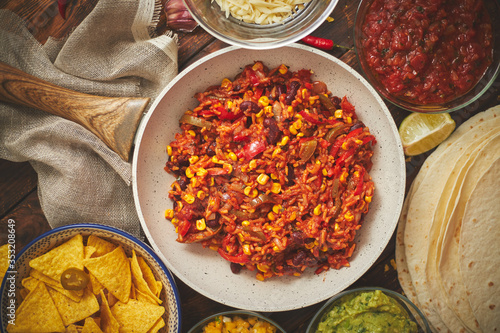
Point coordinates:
[[364, 312]]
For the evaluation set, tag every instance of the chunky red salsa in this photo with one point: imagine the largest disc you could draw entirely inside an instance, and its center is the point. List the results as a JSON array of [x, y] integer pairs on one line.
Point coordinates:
[[427, 51]]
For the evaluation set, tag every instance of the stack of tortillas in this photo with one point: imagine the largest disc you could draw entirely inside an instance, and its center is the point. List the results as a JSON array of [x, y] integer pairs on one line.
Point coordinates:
[[448, 239]]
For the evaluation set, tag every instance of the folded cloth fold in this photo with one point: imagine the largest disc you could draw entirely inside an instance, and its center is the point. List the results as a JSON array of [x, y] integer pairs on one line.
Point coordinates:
[[113, 52]]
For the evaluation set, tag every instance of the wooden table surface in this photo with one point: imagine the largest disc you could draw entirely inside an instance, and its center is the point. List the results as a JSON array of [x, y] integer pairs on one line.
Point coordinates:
[[18, 181]]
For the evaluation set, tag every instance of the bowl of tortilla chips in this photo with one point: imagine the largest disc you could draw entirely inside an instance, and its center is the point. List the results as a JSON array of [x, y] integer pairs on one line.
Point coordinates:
[[88, 278]]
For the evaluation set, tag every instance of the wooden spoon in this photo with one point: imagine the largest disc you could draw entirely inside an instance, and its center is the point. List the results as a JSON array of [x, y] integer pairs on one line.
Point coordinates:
[[113, 119]]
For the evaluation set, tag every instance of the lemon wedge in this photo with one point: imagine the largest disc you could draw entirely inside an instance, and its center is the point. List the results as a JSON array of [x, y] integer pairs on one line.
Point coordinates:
[[421, 132]]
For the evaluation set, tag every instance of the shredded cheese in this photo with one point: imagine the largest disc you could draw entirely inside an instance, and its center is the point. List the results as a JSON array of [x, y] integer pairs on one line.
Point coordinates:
[[261, 11]]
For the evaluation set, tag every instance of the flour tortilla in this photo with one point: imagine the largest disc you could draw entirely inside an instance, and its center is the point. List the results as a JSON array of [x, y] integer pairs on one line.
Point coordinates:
[[412, 242], [448, 259], [479, 252]]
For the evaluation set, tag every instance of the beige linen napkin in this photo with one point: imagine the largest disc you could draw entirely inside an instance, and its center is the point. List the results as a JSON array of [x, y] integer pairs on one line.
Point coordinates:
[[111, 53]]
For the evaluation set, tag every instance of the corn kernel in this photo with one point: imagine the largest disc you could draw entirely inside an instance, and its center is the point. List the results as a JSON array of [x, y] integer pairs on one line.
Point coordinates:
[[201, 195], [277, 209], [195, 182], [338, 113], [179, 205], [250, 192], [193, 159], [276, 188], [169, 150], [304, 92], [276, 248], [262, 267], [349, 120], [293, 216], [215, 159], [324, 172], [262, 179], [260, 113], [241, 237], [348, 216], [201, 172], [359, 142], [189, 172], [233, 156], [336, 227], [284, 141], [368, 198], [293, 130], [317, 210], [188, 198], [297, 124], [212, 181], [246, 249], [247, 190], [264, 101], [269, 110], [345, 146], [283, 69], [271, 216], [274, 176], [175, 220], [169, 213], [259, 277], [228, 167], [245, 223], [309, 245], [229, 104], [226, 83], [192, 133], [252, 164], [330, 19], [290, 109], [343, 177], [200, 224]]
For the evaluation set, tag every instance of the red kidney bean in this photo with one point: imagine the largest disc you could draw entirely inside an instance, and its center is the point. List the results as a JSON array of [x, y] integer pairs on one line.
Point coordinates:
[[290, 95], [249, 106]]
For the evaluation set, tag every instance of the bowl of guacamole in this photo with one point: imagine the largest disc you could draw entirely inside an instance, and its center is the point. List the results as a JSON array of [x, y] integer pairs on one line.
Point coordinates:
[[370, 309]]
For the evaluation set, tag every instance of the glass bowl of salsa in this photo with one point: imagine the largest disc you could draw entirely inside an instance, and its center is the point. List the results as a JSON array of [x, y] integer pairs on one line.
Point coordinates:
[[429, 56], [369, 309]]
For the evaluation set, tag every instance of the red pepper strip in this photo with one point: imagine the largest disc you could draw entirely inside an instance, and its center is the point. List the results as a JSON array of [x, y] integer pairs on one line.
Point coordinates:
[[308, 117], [253, 78], [368, 138], [61, 4], [359, 186], [238, 259], [216, 171], [335, 148], [239, 137], [355, 132], [253, 148], [345, 156], [227, 115], [257, 93]]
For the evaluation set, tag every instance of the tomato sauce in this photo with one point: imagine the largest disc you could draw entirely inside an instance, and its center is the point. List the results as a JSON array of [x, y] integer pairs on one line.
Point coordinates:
[[427, 51]]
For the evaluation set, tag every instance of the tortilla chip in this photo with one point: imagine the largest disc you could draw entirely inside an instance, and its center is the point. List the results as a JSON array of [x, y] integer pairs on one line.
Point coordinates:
[[37, 313], [112, 299], [88, 251], [137, 316], [159, 287], [23, 293], [75, 295], [109, 324], [142, 297], [138, 278], [72, 329], [4, 260], [29, 283], [101, 246], [95, 284], [148, 275], [91, 326], [112, 270], [160, 323], [71, 311], [59, 259]]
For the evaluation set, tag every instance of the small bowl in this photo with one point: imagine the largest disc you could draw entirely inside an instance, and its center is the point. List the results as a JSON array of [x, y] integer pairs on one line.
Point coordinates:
[[198, 328], [460, 102], [414, 313], [55, 237], [210, 17]]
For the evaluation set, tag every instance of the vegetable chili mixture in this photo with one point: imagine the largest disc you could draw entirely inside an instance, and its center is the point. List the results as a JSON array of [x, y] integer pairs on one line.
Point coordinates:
[[272, 172]]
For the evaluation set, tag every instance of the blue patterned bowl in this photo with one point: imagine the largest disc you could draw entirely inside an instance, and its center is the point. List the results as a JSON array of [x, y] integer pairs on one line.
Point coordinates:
[[55, 237]]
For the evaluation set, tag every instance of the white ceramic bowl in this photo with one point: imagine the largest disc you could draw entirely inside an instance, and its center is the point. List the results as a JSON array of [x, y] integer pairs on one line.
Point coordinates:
[[204, 270], [55, 237]]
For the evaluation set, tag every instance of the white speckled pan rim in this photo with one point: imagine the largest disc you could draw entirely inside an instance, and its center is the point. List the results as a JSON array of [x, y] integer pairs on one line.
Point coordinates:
[[246, 292]]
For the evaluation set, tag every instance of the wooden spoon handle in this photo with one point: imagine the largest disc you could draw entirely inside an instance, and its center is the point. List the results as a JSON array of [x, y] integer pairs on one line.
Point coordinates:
[[114, 120]]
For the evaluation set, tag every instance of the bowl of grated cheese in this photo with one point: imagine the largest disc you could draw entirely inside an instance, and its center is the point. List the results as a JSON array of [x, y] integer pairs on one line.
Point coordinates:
[[260, 24]]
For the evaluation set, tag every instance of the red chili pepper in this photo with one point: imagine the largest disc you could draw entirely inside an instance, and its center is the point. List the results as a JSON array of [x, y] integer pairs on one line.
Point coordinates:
[[240, 258], [310, 118], [253, 149], [359, 186], [320, 43], [62, 4]]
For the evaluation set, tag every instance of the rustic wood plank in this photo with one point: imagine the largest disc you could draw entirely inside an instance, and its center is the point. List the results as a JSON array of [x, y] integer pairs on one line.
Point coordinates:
[[17, 180], [29, 221]]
